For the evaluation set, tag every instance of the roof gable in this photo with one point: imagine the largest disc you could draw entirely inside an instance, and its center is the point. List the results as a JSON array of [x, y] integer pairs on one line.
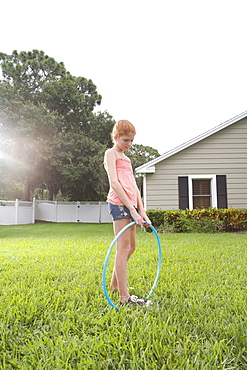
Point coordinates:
[[149, 167]]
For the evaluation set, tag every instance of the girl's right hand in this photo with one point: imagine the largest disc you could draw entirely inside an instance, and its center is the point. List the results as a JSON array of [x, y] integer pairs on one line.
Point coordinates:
[[136, 217]]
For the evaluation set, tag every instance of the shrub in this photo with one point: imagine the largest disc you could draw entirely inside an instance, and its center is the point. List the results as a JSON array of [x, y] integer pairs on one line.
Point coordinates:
[[157, 217], [208, 220]]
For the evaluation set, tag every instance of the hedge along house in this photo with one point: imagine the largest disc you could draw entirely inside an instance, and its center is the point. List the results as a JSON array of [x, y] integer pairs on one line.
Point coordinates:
[[207, 171]]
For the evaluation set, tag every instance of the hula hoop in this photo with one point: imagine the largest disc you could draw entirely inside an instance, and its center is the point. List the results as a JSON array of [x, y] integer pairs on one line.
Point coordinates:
[[108, 255]]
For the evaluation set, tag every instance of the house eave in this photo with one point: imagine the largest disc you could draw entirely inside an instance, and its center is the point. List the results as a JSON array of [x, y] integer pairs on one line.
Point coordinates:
[[149, 167]]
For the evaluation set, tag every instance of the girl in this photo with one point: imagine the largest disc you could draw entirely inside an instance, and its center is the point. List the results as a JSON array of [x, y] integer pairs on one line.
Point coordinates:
[[124, 199]]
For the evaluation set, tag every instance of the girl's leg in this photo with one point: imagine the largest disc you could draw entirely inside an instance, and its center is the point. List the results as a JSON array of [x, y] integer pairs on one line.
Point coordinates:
[[114, 283], [125, 247], [132, 240]]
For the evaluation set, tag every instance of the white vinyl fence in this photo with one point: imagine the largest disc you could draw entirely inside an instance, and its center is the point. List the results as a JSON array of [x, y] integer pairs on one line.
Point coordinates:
[[16, 212], [93, 212], [19, 212]]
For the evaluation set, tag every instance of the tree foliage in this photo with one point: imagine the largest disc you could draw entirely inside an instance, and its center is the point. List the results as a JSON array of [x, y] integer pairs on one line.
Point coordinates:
[[29, 71], [140, 154], [49, 132]]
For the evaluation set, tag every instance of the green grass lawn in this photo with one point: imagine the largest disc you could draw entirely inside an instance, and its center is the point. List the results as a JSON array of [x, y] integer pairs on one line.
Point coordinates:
[[54, 314]]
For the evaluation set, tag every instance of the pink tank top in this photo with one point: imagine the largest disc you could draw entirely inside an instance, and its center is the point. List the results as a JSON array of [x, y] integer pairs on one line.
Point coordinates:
[[127, 180]]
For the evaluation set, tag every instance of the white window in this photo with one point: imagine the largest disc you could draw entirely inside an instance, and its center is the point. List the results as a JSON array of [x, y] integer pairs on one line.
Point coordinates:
[[202, 191]]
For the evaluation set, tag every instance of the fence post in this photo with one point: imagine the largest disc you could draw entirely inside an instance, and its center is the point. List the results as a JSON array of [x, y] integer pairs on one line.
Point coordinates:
[[55, 211], [34, 210], [77, 211], [100, 212], [16, 211]]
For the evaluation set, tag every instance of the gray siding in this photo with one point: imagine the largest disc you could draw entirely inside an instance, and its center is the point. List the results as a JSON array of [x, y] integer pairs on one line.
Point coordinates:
[[223, 153]]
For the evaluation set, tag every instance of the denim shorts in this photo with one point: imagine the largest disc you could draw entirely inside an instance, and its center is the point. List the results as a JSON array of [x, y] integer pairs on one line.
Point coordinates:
[[119, 212]]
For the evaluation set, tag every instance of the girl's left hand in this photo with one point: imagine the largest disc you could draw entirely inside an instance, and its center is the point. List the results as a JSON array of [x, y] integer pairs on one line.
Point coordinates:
[[148, 222]]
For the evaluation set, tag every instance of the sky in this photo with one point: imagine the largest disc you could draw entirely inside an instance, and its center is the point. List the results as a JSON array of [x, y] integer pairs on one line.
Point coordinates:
[[175, 69]]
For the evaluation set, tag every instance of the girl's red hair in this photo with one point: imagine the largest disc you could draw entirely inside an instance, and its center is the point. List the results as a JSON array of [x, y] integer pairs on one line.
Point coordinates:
[[122, 127]]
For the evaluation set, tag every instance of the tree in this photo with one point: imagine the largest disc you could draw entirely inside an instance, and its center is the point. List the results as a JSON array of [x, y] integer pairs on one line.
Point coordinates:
[[140, 154], [37, 78], [26, 134], [40, 103], [29, 71], [49, 130], [74, 165]]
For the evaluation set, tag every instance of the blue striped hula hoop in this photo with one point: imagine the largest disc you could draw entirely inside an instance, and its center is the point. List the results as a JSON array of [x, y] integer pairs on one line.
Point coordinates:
[[108, 255]]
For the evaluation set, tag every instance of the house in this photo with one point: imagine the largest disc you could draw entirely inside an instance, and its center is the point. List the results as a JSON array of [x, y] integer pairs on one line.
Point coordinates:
[[207, 171]]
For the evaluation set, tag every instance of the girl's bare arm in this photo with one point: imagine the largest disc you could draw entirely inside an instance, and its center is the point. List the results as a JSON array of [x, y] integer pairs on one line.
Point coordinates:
[[141, 209]]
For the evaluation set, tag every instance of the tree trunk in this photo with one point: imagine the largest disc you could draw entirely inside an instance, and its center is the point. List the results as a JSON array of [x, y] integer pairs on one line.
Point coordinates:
[[27, 189], [51, 191]]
